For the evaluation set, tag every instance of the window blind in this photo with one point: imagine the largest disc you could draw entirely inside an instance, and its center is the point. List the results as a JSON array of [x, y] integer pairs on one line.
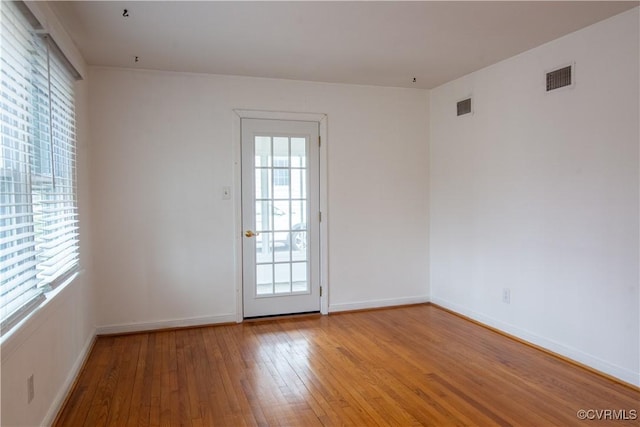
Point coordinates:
[[38, 211]]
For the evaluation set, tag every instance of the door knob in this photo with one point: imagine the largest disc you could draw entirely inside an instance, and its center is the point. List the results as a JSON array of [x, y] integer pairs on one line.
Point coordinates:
[[250, 233]]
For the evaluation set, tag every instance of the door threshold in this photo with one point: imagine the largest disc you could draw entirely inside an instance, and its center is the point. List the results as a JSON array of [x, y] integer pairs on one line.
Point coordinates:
[[306, 314]]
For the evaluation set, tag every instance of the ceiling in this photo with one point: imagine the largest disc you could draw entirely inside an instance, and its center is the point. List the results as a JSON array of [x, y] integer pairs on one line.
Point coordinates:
[[372, 43]]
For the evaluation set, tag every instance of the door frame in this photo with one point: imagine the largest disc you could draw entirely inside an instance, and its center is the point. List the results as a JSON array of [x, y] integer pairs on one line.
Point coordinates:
[[322, 120]]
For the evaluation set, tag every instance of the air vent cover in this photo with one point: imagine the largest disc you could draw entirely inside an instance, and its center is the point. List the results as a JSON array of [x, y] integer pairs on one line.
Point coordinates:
[[464, 107], [559, 78]]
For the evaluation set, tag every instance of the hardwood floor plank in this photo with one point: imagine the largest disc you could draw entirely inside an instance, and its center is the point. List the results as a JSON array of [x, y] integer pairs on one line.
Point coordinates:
[[195, 375], [124, 389], [80, 400], [99, 410], [156, 381], [408, 366], [232, 368], [186, 395], [140, 412]]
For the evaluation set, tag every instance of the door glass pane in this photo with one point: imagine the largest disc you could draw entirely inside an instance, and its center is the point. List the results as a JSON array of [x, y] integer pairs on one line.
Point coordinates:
[[264, 247], [281, 215], [264, 279], [299, 277], [263, 183], [298, 184], [299, 152], [281, 152], [263, 151], [264, 220], [299, 214], [281, 183], [282, 252], [283, 278], [299, 245], [281, 240]]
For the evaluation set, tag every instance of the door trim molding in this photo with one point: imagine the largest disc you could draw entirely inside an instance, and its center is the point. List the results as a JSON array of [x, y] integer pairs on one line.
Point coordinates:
[[321, 119]]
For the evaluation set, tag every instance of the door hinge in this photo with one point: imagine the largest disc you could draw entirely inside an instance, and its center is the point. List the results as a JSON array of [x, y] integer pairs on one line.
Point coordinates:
[[320, 290], [320, 216], [319, 141]]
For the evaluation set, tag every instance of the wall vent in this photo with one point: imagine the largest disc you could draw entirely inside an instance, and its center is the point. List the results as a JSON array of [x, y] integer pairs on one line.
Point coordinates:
[[464, 107], [559, 78]]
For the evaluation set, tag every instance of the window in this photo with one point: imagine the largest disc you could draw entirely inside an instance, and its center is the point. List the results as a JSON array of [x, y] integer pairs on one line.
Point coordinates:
[[38, 210]]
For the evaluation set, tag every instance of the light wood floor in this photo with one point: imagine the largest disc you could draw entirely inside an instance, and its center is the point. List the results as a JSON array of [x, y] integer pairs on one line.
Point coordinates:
[[407, 366]]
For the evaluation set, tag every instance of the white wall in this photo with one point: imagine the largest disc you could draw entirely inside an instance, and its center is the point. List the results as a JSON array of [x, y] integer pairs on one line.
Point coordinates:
[[538, 193], [52, 343], [164, 147]]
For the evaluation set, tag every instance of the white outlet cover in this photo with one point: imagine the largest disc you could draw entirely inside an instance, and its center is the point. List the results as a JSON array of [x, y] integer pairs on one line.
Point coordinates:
[[506, 295]]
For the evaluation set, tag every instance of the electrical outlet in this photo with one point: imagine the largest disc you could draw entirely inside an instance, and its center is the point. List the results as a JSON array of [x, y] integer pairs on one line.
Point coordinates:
[[30, 389], [506, 296]]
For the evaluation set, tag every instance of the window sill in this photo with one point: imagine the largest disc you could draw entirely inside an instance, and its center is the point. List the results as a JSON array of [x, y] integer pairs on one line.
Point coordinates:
[[22, 330]]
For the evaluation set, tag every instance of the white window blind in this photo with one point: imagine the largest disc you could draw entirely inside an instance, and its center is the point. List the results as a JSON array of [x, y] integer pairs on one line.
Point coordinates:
[[38, 211]]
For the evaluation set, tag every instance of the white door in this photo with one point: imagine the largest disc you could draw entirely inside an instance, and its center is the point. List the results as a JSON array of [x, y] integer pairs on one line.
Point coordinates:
[[280, 217]]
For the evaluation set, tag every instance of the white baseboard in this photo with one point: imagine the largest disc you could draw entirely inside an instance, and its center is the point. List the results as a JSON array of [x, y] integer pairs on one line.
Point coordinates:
[[165, 324], [59, 399], [364, 305], [576, 355]]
